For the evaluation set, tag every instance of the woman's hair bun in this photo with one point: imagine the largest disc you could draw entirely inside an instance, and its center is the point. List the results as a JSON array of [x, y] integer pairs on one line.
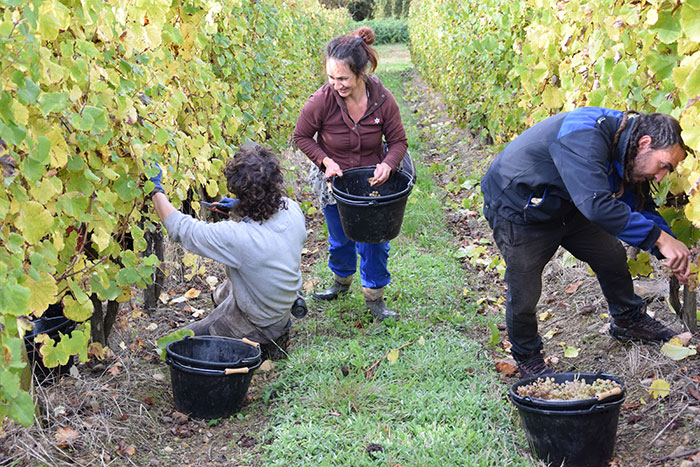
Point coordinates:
[[366, 34]]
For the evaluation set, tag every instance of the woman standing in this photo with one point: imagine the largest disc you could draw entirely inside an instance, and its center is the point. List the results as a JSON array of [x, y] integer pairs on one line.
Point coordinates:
[[344, 124]]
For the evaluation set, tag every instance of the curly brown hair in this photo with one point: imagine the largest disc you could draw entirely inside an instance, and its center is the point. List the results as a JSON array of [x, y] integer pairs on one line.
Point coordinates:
[[254, 176]]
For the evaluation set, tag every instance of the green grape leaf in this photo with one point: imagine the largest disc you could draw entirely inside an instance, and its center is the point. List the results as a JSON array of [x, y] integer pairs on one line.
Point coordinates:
[[14, 299], [54, 102], [172, 337], [667, 27], [641, 265], [41, 152], [28, 92], [9, 380], [21, 409], [690, 20]]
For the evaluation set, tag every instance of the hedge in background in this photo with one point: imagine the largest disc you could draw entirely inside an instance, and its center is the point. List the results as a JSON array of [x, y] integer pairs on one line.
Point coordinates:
[[387, 31], [93, 93], [391, 8]]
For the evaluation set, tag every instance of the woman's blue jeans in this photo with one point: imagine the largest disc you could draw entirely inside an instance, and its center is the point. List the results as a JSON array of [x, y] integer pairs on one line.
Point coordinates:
[[526, 250], [343, 254]]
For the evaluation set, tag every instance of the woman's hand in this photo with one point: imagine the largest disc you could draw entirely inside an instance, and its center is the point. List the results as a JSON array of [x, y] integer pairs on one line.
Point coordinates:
[[381, 174], [331, 168]]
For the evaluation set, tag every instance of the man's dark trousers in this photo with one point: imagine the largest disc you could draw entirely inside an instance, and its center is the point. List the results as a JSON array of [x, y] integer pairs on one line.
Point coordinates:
[[526, 250]]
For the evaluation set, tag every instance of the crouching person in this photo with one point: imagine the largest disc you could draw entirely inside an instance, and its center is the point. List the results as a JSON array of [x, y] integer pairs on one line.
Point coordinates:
[[261, 252]]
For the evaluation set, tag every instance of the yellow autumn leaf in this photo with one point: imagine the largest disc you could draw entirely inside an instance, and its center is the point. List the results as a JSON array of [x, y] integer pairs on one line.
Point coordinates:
[[659, 388], [59, 149], [34, 222], [393, 356], [101, 238], [545, 315], [675, 341], [43, 293], [47, 189], [552, 332], [192, 293], [76, 310]]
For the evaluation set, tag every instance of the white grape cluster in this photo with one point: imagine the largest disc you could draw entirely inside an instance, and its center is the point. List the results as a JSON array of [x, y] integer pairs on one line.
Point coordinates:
[[576, 389]]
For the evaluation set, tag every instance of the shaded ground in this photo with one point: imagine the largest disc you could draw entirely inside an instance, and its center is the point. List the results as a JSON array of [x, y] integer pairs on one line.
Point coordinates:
[[120, 411]]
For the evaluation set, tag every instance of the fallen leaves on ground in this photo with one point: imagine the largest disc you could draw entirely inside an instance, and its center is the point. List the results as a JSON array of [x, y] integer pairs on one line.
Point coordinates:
[[573, 287], [659, 388], [506, 366], [212, 281], [66, 436], [114, 370], [677, 352], [393, 356], [126, 449], [545, 315], [192, 293], [552, 332], [683, 338]]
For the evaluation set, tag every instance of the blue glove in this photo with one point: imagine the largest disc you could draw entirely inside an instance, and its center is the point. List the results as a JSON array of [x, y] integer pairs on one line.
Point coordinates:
[[156, 179], [227, 203]]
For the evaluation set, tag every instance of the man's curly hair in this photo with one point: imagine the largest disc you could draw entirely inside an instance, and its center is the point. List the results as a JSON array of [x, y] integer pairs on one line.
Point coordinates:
[[254, 176]]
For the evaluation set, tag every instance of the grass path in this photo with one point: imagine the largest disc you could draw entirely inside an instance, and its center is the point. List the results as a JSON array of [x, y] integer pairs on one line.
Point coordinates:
[[440, 402]]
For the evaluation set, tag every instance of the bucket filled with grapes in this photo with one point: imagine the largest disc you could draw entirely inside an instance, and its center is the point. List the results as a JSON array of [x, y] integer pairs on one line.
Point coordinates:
[[570, 418]]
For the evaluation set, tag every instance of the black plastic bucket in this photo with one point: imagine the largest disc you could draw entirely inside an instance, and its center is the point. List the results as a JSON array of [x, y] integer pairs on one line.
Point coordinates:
[[371, 219], [583, 437], [54, 327], [214, 352], [209, 393], [560, 378], [354, 185]]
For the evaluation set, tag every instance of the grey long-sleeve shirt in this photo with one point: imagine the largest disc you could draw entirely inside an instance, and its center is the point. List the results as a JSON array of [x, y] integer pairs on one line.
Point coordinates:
[[262, 260]]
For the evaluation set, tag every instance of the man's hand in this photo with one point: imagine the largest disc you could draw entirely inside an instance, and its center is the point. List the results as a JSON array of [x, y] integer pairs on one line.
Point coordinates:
[[157, 181], [677, 256]]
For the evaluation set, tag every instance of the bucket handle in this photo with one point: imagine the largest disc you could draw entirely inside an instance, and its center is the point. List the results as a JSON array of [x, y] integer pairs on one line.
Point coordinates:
[[251, 343], [233, 371], [606, 394]]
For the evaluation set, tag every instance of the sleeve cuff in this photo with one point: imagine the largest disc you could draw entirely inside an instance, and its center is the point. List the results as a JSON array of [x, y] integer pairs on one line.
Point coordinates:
[[651, 239]]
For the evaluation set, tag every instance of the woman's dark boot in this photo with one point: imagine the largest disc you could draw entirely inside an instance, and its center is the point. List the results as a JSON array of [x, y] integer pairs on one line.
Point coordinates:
[[340, 286], [375, 304]]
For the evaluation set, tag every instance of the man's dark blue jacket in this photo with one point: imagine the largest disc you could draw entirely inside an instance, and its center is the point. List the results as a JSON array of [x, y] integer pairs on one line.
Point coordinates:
[[564, 163]]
